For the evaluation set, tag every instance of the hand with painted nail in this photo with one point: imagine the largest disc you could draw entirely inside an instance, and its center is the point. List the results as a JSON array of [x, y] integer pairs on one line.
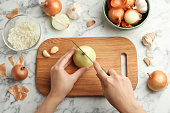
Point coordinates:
[[61, 83], [118, 91]]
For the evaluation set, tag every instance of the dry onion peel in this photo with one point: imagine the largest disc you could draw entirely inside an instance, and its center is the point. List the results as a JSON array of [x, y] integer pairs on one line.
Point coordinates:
[[19, 92], [11, 60], [2, 70], [12, 14], [126, 25], [20, 61]]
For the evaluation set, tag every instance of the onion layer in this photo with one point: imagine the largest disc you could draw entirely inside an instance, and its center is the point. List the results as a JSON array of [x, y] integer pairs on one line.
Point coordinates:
[[157, 80]]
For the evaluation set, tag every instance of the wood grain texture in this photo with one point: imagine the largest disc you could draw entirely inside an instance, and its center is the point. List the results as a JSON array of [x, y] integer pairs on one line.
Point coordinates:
[[108, 51]]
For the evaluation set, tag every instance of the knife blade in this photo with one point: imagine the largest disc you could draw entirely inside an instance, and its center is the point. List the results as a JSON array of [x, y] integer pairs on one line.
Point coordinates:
[[87, 56]]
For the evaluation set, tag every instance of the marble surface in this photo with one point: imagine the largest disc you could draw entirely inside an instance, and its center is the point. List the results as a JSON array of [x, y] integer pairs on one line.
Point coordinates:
[[152, 102]]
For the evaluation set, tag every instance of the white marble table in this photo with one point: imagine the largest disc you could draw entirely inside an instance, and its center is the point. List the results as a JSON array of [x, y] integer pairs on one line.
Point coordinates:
[[152, 102]]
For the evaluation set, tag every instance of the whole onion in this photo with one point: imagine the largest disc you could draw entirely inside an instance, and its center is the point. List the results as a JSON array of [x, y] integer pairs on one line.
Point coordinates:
[[157, 80], [52, 7], [116, 15], [19, 72]]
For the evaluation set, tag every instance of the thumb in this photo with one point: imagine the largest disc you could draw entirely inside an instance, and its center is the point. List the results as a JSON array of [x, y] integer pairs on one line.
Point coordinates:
[[79, 72]]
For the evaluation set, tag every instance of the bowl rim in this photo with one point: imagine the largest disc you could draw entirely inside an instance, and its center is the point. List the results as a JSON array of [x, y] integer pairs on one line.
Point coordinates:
[[21, 15], [122, 28]]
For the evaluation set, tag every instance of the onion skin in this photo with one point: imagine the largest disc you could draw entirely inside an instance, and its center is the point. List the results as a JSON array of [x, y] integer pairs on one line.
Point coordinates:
[[116, 15], [157, 80], [19, 72], [126, 25], [118, 3], [109, 4], [52, 7], [130, 3]]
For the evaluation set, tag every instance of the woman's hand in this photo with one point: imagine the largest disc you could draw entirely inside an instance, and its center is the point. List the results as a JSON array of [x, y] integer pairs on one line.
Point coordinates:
[[118, 91], [61, 81]]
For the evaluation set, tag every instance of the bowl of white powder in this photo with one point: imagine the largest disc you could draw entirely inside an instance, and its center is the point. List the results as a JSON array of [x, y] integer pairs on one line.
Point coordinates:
[[21, 33]]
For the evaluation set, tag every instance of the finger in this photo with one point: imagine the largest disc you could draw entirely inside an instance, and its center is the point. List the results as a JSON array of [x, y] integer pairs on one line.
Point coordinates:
[[70, 51], [100, 73], [112, 72], [67, 57], [78, 73], [68, 63]]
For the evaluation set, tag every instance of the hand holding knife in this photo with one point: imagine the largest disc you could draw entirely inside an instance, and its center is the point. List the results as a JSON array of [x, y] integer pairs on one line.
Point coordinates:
[[87, 56]]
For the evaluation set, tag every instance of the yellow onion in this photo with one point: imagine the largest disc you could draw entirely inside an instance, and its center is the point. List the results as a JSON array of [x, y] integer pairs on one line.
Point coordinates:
[[118, 3], [132, 16], [19, 72], [157, 80], [116, 15], [52, 7], [130, 3]]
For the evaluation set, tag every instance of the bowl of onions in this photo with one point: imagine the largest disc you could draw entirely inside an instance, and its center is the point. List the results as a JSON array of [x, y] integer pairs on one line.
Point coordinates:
[[126, 14]]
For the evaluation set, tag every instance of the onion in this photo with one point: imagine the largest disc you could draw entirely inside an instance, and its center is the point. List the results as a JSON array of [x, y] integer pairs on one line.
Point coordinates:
[[118, 3], [130, 3], [116, 15], [52, 7], [109, 4], [132, 17], [157, 80], [19, 72]]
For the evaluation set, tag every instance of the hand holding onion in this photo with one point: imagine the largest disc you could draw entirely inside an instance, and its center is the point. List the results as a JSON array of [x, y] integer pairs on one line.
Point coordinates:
[[157, 80]]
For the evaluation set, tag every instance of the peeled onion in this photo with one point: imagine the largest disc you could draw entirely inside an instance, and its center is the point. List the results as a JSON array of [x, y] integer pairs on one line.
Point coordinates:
[[52, 7], [132, 17], [157, 80], [116, 15], [60, 21], [19, 72]]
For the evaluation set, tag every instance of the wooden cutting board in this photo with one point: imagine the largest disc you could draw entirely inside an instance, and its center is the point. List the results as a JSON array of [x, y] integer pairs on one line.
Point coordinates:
[[108, 51]]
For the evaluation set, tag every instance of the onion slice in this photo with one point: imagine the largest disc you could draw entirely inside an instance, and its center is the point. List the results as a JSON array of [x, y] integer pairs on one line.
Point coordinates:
[[12, 14]]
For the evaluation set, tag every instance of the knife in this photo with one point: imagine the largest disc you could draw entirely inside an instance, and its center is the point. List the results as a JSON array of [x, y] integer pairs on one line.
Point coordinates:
[[87, 56]]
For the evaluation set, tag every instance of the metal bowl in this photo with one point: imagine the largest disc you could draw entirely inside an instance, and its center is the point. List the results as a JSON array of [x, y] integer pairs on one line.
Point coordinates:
[[11, 23], [144, 17]]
